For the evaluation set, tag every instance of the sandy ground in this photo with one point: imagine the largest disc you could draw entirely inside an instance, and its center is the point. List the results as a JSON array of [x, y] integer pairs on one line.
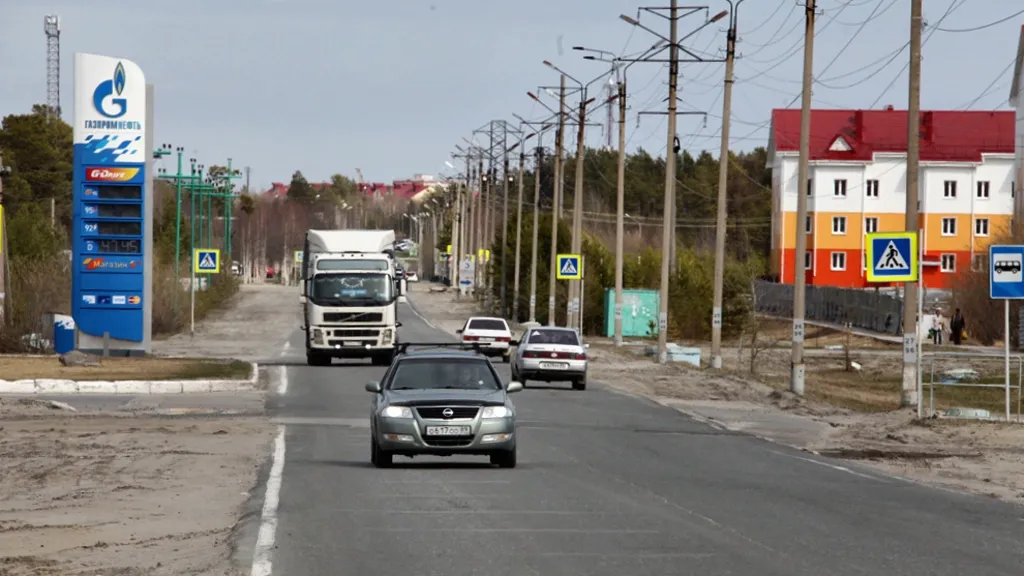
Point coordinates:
[[102, 494], [134, 488], [252, 327], [981, 457]]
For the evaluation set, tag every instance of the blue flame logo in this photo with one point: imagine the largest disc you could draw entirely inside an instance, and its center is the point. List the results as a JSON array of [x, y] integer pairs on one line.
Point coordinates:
[[108, 88]]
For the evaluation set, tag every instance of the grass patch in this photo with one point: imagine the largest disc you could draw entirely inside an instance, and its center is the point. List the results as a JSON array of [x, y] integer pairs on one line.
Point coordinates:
[[863, 392], [26, 368]]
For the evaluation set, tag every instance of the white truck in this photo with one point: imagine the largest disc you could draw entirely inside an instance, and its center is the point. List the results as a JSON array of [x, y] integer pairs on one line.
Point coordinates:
[[350, 295]]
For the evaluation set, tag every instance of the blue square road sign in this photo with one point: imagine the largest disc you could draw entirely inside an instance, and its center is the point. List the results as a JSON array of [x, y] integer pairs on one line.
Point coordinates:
[[1005, 275]]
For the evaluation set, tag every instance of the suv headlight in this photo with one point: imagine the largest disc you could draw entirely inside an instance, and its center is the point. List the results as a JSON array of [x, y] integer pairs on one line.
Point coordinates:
[[397, 412], [496, 412]]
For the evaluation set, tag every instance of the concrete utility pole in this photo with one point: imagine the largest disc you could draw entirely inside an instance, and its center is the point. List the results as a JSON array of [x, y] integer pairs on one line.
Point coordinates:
[[478, 234], [557, 205], [668, 225], [908, 392], [5, 265], [670, 185], [538, 165], [620, 211], [504, 236], [519, 230], [797, 371], [723, 192], [576, 286]]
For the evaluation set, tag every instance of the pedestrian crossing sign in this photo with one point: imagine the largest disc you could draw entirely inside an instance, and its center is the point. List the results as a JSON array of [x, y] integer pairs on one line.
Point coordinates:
[[892, 257], [569, 267], [206, 261]]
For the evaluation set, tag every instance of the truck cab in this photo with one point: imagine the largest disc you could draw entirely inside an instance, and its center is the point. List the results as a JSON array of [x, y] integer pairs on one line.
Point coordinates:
[[350, 296]]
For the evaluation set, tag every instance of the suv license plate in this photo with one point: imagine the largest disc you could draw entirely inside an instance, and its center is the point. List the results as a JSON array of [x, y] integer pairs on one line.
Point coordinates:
[[448, 431]]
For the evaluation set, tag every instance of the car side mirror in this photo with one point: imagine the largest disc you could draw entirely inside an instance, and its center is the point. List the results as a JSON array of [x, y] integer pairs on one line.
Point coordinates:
[[303, 328], [514, 387], [398, 324], [302, 299], [587, 346], [459, 331], [373, 386]]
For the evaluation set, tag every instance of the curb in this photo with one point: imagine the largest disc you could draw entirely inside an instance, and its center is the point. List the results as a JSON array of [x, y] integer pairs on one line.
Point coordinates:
[[134, 387]]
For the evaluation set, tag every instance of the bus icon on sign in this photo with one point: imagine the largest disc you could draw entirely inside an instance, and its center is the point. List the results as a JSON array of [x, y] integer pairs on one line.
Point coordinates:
[[1011, 266]]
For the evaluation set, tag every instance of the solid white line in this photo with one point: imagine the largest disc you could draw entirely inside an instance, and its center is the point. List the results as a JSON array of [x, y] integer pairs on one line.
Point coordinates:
[[424, 318], [832, 466], [261, 563], [282, 381], [287, 345]]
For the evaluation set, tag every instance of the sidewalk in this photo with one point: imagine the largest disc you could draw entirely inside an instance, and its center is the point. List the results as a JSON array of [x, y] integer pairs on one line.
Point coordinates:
[[251, 327]]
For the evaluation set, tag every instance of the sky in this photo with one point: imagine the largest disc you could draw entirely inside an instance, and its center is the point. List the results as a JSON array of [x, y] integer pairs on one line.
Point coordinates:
[[390, 87]]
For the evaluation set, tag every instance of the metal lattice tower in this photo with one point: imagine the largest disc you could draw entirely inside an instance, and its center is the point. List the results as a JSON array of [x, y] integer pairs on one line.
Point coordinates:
[[51, 25]]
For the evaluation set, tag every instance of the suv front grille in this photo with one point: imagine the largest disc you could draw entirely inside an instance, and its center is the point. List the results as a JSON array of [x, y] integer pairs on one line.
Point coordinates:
[[437, 412]]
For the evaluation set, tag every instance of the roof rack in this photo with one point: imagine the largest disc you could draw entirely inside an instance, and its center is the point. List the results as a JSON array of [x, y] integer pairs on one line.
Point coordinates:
[[402, 347]]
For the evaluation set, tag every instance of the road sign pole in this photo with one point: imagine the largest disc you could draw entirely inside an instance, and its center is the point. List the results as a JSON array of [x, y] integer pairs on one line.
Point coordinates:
[[192, 297], [1006, 348], [920, 317]]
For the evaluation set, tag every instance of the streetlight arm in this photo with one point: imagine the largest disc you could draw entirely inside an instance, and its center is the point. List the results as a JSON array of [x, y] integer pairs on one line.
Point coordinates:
[[637, 23], [539, 101], [562, 72]]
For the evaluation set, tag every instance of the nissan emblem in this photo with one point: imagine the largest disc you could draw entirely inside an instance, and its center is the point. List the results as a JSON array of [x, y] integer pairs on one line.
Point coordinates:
[[448, 413]]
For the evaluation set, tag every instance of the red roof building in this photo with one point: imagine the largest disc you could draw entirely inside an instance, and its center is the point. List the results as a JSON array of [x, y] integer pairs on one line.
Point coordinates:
[[857, 185]]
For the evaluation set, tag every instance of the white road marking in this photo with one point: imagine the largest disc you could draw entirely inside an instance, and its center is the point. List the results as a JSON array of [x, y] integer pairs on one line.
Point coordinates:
[[829, 465], [261, 563], [287, 345], [424, 318], [282, 381]]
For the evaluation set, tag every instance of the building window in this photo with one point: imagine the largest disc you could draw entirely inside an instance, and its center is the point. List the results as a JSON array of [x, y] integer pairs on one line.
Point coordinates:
[[839, 188], [810, 186], [839, 261], [949, 226], [808, 260], [979, 262], [983, 188], [839, 224], [949, 189], [872, 188], [981, 226], [870, 225], [809, 225], [948, 263]]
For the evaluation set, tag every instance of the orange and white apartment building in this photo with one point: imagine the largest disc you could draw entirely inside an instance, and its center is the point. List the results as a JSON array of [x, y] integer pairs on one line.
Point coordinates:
[[857, 185]]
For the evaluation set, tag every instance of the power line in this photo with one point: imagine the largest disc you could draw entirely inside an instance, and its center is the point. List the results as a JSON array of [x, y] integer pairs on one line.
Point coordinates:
[[982, 27]]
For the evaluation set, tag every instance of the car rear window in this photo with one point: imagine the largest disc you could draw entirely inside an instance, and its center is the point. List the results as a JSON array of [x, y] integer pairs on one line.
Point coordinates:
[[562, 337], [485, 324]]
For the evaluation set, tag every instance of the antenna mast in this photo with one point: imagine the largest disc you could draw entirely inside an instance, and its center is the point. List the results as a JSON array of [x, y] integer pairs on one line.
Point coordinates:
[[51, 25]]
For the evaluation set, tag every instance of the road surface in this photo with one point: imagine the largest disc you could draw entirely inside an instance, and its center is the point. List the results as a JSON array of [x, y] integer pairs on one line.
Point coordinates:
[[606, 485]]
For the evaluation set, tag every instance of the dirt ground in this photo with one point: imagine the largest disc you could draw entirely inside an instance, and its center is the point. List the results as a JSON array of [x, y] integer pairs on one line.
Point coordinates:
[[856, 411], [28, 367], [104, 494]]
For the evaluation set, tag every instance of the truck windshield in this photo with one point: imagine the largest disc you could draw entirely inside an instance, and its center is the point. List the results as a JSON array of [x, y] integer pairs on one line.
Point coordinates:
[[352, 289]]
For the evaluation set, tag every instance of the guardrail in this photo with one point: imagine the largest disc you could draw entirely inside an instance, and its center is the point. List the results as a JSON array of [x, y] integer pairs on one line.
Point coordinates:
[[942, 363]]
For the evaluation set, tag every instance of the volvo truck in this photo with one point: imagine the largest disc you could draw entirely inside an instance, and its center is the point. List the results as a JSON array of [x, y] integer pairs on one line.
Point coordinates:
[[350, 295]]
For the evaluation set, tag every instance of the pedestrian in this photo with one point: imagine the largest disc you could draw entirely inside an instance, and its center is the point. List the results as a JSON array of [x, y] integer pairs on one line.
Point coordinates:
[[956, 327], [937, 328]]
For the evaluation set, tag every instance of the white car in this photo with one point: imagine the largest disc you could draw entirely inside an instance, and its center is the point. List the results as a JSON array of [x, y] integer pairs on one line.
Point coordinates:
[[493, 335], [551, 354], [412, 277]]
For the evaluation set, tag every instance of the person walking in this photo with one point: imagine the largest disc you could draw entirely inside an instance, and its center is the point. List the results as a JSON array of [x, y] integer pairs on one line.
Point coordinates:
[[956, 327]]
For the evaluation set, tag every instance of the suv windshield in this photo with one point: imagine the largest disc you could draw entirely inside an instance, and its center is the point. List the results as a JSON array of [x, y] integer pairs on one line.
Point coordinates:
[[487, 324], [444, 374], [352, 289], [561, 337]]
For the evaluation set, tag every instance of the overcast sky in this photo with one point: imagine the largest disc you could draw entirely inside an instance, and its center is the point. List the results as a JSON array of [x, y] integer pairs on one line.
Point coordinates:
[[390, 87]]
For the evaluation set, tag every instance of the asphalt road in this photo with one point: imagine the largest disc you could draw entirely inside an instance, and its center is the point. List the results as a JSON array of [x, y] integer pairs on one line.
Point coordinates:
[[606, 485]]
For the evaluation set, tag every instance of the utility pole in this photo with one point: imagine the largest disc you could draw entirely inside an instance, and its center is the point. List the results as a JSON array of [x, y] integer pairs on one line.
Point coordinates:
[[5, 264], [504, 233], [797, 373], [908, 392], [519, 229], [620, 211], [538, 165], [723, 192], [576, 286], [478, 233], [670, 185], [668, 224], [556, 206]]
